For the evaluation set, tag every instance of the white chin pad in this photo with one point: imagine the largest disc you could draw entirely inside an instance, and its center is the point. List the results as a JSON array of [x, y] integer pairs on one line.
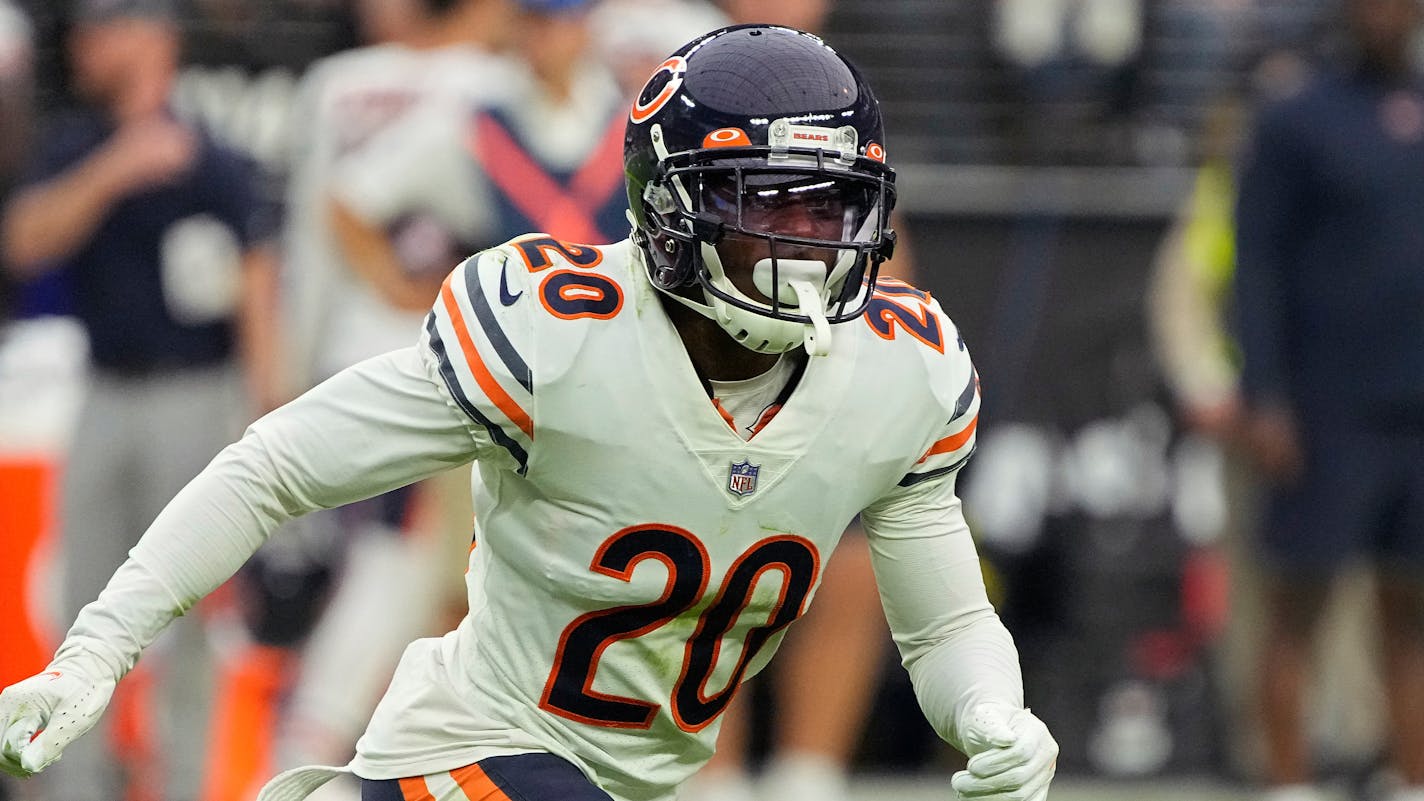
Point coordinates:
[[809, 271], [801, 282]]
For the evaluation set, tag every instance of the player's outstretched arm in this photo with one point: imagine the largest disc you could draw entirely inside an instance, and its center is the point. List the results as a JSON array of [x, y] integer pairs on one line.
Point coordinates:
[[960, 658], [379, 425]]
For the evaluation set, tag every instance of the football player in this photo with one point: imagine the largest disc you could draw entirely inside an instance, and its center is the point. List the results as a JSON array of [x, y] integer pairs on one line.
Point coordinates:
[[670, 434]]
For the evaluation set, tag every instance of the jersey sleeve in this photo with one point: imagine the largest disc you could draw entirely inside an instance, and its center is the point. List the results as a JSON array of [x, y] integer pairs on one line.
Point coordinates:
[[954, 443], [476, 343], [951, 641], [371, 428]]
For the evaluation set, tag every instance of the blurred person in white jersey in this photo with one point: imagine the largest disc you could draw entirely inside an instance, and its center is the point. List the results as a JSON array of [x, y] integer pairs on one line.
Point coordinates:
[[640, 548], [422, 52], [541, 153], [445, 48]]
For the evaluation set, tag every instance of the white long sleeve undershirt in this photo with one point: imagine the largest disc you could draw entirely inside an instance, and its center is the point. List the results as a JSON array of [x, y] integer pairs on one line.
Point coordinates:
[[374, 427], [956, 650]]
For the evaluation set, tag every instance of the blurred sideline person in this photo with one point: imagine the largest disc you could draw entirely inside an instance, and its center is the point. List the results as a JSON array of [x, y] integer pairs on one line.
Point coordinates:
[[639, 551], [338, 316], [344, 102], [541, 153], [1329, 286], [160, 233], [1188, 306], [824, 684]]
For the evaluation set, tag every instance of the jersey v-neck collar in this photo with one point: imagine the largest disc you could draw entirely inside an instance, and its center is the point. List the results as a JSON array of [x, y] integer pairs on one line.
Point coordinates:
[[809, 402]]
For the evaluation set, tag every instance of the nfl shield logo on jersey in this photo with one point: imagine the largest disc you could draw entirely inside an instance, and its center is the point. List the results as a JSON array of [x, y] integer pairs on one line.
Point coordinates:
[[742, 479]]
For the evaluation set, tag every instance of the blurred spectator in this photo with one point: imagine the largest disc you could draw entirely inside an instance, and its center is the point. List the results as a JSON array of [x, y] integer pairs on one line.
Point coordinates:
[[540, 152], [339, 317], [1190, 284], [424, 52], [1329, 287], [1189, 296], [1189, 292], [159, 231]]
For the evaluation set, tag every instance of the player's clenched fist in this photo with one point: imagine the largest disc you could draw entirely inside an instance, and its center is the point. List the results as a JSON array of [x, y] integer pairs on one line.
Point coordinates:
[[1011, 755], [58, 706]]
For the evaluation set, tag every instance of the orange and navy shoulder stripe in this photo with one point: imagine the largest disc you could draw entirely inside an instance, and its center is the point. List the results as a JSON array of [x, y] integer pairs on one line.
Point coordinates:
[[479, 363], [953, 449]]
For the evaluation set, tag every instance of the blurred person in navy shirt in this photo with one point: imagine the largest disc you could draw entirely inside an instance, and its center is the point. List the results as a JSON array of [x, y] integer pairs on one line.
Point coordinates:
[[159, 231], [1330, 306]]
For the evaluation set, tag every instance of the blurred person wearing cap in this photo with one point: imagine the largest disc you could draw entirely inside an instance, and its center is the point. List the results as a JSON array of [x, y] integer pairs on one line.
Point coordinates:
[[159, 231], [1329, 287]]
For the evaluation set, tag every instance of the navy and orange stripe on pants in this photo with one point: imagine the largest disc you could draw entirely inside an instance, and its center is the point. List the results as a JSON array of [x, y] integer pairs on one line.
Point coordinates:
[[524, 777]]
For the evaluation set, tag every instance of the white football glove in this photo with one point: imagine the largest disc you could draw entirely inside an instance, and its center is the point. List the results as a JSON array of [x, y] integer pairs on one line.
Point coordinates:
[[59, 705], [1012, 756]]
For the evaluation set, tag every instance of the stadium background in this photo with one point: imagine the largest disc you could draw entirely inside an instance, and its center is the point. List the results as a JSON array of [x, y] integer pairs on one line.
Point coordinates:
[[1037, 196]]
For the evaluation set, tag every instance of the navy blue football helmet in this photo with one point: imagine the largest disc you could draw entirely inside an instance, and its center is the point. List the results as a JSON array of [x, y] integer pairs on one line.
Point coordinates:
[[734, 133]]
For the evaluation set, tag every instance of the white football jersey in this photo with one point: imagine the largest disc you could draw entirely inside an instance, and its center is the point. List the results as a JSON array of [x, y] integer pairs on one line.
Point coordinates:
[[345, 101], [635, 558]]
